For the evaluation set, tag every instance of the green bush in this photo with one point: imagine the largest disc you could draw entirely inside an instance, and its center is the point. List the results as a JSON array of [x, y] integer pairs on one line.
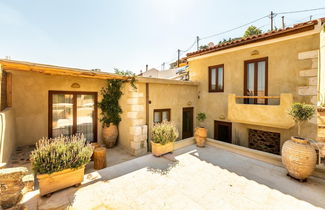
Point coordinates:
[[57, 154], [301, 112], [112, 93], [109, 105], [163, 133]]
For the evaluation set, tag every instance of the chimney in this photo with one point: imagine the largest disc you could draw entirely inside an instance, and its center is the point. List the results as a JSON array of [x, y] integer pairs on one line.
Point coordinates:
[[146, 67]]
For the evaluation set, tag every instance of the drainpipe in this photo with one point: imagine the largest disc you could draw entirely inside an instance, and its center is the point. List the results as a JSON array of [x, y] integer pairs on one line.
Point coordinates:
[[147, 116]]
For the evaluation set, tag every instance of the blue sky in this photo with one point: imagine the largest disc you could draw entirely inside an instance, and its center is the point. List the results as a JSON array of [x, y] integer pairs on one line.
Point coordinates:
[[127, 34]]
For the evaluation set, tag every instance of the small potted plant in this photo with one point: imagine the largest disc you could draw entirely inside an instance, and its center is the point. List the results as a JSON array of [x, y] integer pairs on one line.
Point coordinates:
[[163, 136], [201, 132], [298, 156], [60, 162]]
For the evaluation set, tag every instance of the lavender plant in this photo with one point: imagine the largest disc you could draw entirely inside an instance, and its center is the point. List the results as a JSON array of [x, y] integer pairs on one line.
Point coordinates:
[[57, 154], [163, 133]]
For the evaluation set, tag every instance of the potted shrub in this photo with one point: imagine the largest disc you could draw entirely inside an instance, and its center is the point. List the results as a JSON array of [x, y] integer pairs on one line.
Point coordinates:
[[201, 132], [111, 111], [163, 136], [60, 162], [298, 156], [110, 107]]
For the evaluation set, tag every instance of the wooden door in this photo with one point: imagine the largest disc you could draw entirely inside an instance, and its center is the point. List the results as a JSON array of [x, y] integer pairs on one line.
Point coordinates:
[[256, 80], [222, 131], [187, 122]]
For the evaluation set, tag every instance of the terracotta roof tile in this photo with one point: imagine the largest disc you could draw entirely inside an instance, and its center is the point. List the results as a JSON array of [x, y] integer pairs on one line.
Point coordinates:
[[301, 27]]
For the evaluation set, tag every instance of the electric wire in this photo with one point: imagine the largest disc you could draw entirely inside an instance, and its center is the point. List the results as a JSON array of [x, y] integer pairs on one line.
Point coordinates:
[[243, 25]]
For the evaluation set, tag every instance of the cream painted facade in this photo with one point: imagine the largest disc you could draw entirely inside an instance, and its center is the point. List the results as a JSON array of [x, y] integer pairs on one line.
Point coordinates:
[[293, 64], [26, 121]]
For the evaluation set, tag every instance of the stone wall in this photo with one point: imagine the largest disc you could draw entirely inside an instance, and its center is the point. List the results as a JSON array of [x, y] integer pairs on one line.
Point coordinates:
[[310, 74], [264, 141], [136, 115]]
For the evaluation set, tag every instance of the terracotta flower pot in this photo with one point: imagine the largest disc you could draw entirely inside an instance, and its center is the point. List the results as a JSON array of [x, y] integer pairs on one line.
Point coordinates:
[[159, 149], [49, 183], [201, 136], [299, 157], [110, 135]]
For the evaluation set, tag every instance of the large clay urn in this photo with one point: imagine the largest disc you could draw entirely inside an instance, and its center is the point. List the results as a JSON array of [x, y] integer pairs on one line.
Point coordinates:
[[299, 158], [200, 136], [110, 134]]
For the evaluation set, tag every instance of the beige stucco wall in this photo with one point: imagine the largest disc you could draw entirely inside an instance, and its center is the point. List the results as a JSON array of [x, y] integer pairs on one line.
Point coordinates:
[[7, 134], [174, 97], [30, 101], [283, 77]]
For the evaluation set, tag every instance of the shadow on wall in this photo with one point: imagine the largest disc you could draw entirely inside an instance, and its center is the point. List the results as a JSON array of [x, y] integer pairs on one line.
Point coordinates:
[[7, 134]]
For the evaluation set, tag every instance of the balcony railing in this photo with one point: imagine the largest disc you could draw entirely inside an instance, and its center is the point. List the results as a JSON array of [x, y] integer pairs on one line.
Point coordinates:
[[264, 115]]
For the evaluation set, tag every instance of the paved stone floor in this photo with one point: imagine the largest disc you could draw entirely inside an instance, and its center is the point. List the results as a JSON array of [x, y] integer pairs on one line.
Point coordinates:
[[20, 157], [191, 178]]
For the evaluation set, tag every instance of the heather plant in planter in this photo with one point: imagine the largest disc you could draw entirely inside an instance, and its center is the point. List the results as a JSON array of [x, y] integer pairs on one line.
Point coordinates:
[[60, 162], [162, 138], [298, 156], [201, 132]]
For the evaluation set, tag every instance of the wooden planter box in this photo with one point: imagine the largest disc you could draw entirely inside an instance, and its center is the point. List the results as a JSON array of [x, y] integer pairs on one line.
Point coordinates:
[[159, 149], [49, 183]]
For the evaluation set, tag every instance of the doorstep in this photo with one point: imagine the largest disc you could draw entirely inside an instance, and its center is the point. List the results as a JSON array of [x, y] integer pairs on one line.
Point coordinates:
[[255, 154]]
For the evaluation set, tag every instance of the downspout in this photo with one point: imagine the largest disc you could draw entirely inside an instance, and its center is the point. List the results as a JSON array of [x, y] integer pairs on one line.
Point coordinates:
[[147, 116]]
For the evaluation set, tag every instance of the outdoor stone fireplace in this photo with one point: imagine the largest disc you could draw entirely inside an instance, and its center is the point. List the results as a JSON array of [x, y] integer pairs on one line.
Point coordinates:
[[264, 141]]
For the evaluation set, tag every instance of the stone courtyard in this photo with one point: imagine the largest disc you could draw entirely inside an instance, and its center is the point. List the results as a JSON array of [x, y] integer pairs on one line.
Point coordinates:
[[190, 178]]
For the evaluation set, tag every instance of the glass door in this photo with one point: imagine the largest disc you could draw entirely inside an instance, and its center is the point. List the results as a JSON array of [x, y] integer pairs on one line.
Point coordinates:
[[72, 113], [62, 114], [85, 115], [255, 80]]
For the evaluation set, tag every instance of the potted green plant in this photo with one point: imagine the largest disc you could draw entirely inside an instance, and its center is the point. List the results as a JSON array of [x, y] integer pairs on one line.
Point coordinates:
[[111, 111], [163, 136], [298, 156], [60, 162], [201, 132], [110, 106]]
